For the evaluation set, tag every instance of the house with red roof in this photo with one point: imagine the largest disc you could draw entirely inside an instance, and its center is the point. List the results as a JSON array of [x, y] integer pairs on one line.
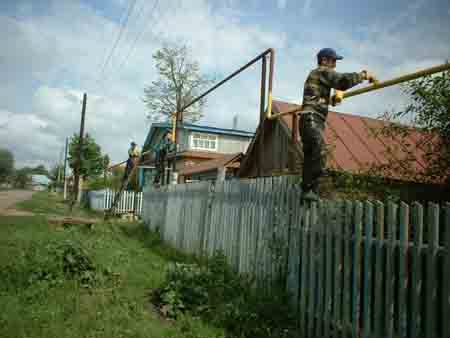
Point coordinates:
[[354, 145]]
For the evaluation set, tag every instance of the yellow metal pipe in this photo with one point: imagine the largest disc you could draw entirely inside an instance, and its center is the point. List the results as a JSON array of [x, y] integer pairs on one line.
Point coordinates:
[[287, 112], [174, 126], [269, 106], [379, 85], [397, 80]]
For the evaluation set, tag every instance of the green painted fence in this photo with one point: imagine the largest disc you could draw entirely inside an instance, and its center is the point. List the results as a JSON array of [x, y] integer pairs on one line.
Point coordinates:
[[353, 269]]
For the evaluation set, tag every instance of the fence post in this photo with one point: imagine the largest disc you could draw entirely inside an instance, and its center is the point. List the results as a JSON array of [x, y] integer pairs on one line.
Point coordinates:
[[446, 282], [347, 301], [356, 278], [367, 281], [312, 271], [403, 270], [430, 322], [390, 272], [416, 271], [338, 270], [379, 269], [328, 300]]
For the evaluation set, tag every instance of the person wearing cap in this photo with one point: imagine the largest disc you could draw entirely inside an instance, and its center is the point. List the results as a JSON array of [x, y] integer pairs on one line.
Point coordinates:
[[316, 99]]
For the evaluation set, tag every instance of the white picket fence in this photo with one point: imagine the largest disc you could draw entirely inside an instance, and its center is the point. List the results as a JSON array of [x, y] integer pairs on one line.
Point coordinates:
[[102, 200]]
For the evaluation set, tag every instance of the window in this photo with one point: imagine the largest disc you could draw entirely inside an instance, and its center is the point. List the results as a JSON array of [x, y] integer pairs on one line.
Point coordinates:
[[202, 141]]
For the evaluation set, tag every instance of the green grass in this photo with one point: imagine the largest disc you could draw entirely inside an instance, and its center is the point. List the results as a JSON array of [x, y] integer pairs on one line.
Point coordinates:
[[52, 203], [38, 304]]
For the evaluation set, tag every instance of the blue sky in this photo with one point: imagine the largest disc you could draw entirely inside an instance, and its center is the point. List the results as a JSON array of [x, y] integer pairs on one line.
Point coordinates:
[[52, 51]]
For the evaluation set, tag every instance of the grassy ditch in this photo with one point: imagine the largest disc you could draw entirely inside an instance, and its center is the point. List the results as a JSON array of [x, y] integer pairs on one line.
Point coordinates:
[[80, 282]]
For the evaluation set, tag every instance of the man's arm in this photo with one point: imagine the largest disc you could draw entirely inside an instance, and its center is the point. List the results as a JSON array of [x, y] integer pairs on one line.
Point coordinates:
[[341, 81]]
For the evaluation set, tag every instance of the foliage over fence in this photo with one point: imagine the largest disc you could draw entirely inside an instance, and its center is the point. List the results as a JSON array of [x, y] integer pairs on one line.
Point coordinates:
[[352, 268]]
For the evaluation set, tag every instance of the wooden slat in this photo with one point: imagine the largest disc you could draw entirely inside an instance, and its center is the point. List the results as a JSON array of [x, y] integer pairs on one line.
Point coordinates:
[[304, 270], [329, 230], [319, 259], [390, 273], [347, 301], [416, 272], [356, 270], [445, 310], [338, 270], [403, 270], [379, 271], [367, 279], [294, 256], [430, 322], [312, 272]]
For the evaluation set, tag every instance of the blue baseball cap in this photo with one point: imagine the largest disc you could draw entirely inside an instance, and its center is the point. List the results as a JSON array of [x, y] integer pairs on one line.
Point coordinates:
[[329, 53]]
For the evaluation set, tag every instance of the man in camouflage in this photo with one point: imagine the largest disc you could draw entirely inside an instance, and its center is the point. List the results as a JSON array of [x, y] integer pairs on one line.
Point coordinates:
[[316, 99]]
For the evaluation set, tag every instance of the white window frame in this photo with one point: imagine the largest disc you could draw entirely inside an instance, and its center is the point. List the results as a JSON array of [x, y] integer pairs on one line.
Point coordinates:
[[205, 139]]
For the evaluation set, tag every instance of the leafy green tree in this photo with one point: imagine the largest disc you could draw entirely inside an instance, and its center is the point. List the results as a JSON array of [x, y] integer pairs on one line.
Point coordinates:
[[39, 170], [22, 178], [6, 164], [178, 83], [92, 161], [429, 113]]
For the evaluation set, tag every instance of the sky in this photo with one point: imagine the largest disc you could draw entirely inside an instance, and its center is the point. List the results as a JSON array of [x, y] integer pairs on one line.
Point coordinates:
[[53, 51]]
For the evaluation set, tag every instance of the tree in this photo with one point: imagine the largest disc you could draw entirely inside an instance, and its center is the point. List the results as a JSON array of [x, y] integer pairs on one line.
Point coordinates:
[[92, 163], [429, 113], [39, 170], [179, 82], [22, 178], [6, 164]]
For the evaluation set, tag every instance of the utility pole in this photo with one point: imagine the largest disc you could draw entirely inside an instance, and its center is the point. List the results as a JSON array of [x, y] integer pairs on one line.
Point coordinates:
[[65, 166], [59, 166], [77, 188]]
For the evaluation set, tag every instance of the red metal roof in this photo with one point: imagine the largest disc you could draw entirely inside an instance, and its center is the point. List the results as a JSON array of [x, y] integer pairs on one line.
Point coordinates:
[[355, 146], [228, 160]]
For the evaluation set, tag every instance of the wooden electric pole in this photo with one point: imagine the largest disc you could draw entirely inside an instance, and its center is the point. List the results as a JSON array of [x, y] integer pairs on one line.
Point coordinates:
[[77, 190], [65, 168]]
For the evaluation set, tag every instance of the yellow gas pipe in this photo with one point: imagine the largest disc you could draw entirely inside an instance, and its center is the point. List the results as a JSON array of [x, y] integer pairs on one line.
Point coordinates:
[[376, 86]]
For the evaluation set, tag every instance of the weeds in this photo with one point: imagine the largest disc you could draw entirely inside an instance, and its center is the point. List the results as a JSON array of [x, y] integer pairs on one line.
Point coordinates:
[[215, 293]]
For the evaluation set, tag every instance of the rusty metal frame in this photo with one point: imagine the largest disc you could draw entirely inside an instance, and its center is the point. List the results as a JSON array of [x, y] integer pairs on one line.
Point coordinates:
[[269, 52]]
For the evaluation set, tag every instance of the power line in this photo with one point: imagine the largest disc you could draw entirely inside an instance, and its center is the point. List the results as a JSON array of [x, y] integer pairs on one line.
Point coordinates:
[[138, 36], [119, 37]]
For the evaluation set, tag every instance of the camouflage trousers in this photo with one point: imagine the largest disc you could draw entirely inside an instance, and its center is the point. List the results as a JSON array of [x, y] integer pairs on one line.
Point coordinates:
[[311, 129]]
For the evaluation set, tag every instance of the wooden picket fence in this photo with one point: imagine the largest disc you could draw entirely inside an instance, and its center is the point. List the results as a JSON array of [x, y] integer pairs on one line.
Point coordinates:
[[354, 269], [102, 200]]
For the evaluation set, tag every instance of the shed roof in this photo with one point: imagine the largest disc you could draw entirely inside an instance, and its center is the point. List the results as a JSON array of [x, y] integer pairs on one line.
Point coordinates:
[[228, 160]]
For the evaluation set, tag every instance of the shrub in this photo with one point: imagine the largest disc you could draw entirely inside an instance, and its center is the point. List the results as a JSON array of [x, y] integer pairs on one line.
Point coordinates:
[[214, 292]]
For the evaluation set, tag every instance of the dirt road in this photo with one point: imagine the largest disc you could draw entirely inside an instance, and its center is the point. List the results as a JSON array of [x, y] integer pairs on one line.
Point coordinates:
[[9, 198]]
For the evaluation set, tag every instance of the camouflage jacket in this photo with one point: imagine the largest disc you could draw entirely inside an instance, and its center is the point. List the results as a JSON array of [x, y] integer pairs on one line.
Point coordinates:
[[318, 85]]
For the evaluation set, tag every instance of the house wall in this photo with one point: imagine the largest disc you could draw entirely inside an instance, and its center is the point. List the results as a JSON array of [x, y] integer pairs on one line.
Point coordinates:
[[227, 144], [279, 154]]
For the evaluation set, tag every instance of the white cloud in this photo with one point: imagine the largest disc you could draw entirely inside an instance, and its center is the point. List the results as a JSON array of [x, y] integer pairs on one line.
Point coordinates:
[[47, 64]]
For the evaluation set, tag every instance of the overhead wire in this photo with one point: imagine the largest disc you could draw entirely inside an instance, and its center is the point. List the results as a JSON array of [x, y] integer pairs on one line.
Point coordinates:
[[138, 37], [119, 37]]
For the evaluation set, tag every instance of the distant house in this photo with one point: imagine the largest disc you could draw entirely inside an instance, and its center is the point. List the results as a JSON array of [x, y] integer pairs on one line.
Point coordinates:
[[203, 152], [39, 182], [353, 147]]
